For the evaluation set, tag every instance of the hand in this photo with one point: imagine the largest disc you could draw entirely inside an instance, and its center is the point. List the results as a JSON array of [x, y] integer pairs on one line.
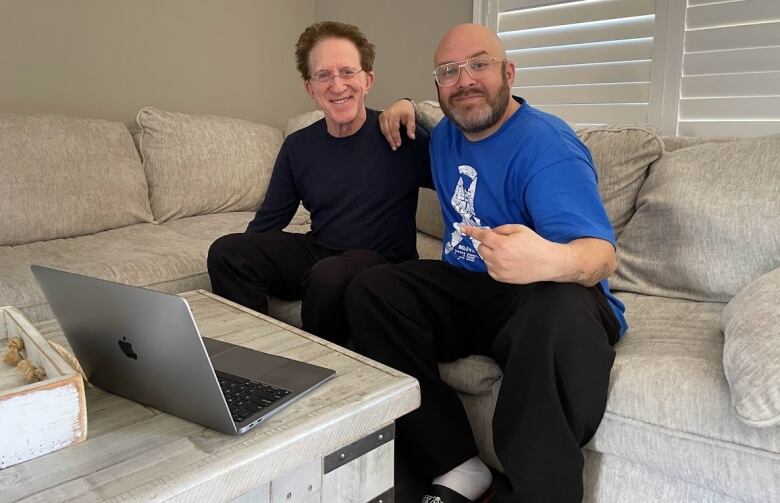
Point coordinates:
[[399, 113], [514, 253]]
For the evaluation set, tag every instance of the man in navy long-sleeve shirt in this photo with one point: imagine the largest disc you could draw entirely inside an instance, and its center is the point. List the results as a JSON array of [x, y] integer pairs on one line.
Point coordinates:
[[361, 194]]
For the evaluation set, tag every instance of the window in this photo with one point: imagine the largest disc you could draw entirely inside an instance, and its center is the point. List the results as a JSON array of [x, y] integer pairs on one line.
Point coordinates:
[[701, 67], [731, 68]]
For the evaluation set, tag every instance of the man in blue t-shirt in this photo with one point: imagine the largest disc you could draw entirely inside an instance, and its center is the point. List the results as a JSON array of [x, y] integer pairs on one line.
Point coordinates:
[[362, 195], [527, 250]]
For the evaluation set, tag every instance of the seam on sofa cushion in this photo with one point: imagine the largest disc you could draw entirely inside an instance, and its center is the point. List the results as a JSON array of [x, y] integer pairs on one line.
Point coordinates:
[[667, 474], [40, 304], [693, 436]]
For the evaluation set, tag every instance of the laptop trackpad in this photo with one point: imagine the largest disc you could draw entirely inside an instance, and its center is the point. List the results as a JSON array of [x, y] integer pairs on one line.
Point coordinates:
[[254, 365]]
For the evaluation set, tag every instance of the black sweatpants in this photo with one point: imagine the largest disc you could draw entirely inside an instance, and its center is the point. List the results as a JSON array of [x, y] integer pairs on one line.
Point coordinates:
[[552, 340], [248, 267]]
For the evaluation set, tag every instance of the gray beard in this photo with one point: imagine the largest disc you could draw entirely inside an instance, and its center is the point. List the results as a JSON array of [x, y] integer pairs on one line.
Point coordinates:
[[477, 120]]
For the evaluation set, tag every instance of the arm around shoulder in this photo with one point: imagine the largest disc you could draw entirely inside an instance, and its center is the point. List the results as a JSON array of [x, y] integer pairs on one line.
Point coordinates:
[[402, 112]]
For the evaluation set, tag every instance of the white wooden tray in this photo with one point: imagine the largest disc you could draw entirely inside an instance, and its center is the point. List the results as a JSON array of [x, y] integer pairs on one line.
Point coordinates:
[[41, 417]]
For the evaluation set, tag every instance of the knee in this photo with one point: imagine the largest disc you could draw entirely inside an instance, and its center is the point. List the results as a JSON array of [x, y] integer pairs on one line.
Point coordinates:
[[222, 247], [554, 317], [559, 300], [326, 274], [368, 284]]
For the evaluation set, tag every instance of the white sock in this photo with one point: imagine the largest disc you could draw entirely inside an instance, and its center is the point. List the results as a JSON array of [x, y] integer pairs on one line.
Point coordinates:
[[471, 478]]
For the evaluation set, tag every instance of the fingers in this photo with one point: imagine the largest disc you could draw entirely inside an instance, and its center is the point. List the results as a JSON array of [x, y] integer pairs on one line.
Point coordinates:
[[407, 117], [487, 237], [507, 229], [390, 121], [391, 129], [410, 127], [483, 235]]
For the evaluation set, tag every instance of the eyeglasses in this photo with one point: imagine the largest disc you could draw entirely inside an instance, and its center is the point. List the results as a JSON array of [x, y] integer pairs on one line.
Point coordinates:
[[449, 73], [325, 77]]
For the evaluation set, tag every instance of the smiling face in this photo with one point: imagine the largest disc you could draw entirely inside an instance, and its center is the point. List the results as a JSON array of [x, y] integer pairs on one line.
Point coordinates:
[[477, 106], [342, 100]]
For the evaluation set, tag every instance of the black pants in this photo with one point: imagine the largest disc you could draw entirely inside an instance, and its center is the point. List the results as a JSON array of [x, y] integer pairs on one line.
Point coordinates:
[[248, 267], [552, 340]]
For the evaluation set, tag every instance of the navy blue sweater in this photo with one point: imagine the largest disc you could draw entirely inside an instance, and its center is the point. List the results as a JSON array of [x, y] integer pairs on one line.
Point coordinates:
[[361, 194]]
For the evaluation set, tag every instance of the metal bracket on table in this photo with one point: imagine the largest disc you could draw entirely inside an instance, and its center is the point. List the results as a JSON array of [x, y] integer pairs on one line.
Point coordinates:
[[386, 497], [356, 449]]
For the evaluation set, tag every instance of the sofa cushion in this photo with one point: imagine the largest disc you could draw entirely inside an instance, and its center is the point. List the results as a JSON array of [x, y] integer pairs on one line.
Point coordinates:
[[622, 155], [142, 255], [300, 121], [706, 222], [751, 352], [200, 164], [428, 247], [429, 214], [669, 403], [210, 227], [672, 143], [429, 113], [614, 479], [65, 177]]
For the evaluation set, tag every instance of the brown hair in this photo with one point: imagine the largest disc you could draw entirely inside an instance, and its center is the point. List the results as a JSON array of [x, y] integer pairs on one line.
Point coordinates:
[[332, 29]]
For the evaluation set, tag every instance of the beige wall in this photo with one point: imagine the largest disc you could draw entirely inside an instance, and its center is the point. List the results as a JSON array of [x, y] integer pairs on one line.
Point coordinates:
[[405, 33], [108, 58]]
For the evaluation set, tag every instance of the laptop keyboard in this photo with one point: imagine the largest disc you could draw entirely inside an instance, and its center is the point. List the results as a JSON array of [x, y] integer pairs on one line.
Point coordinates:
[[245, 397]]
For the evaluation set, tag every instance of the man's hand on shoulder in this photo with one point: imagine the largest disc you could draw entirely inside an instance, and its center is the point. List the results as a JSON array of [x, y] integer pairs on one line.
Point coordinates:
[[392, 118], [516, 254]]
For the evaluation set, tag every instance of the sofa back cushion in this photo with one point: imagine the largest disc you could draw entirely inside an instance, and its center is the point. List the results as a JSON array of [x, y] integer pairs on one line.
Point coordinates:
[[621, 153], [201, 164], [301, 121], [706, 222], [65, 177]]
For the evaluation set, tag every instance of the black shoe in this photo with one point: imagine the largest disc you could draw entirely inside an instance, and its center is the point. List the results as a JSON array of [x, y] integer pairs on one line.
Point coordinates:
[[441, 494]]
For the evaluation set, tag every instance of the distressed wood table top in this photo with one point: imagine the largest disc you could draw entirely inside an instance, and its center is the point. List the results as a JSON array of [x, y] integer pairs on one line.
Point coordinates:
[[135, 452]]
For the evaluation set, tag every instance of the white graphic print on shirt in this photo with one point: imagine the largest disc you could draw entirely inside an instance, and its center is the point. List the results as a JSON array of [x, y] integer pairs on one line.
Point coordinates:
[[463, 202]]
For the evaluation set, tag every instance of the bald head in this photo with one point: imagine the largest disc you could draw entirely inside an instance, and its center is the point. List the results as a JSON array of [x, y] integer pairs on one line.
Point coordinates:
[[468, 40], [477, 78]]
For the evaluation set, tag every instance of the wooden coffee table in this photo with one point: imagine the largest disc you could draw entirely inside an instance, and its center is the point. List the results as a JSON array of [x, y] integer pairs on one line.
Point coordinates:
[[333, 445]]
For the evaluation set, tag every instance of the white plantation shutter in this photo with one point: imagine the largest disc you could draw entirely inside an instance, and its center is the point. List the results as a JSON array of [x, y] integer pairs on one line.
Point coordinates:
[[690, 67], [587, 61], [730, 83]]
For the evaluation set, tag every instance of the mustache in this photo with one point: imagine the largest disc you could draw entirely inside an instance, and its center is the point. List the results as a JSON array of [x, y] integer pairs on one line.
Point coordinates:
[[463, 93]]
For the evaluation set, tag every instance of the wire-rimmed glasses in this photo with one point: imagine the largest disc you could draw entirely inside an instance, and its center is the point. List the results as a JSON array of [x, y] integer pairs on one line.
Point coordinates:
[[325, 77]]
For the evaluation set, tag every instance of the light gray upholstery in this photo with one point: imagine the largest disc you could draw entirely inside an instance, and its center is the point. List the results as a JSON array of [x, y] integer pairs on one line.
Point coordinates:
[[64, 177], [199, 164], [751, 353], [210, 227], [141, 255], [610, 479], [706, 222]]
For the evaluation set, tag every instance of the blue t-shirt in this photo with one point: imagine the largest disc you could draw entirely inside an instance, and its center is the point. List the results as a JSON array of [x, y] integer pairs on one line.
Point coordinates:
[[533, 171]]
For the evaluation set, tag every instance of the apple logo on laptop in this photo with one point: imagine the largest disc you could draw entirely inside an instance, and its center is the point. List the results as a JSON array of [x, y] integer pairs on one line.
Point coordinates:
[[127, 348]]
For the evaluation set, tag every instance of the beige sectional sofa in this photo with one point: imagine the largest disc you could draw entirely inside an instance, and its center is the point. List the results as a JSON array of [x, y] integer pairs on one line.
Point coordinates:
[[694, 404]]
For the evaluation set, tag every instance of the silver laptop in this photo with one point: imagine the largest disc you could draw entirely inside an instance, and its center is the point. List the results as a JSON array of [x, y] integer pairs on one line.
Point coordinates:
[[144, 345]]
